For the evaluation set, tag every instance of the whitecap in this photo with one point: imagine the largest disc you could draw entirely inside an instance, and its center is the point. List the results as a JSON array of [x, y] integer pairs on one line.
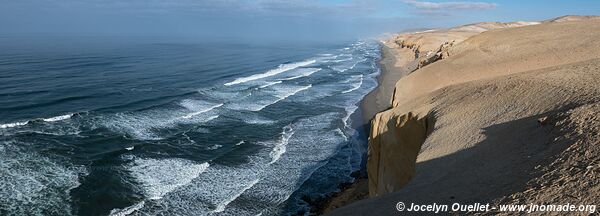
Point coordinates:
[[51, 119], [214, 147], [281, 96], [312, 144], [280, 146], [14, 124], [349, 111], [161, 176], [342, 60], [266, 98], [190, 115], [127, 210], [341, 133], [349, 68], [218, 188], [139, 126], [215, 190], [269, 84], [282, 68], [222, 205], [304, 74], [32, 184], [58, 118], [259, 121], [144, 125], [355, 86], [212, 118]]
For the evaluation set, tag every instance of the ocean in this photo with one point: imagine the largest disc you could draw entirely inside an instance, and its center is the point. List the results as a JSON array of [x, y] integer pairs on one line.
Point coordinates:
[[90, 127]]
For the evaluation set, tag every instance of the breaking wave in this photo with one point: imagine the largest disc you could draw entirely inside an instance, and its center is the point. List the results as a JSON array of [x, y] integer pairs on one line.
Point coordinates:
[[51, 119], [356, 85], [280, 146], [161, 176], [304, 74], [282, 68]]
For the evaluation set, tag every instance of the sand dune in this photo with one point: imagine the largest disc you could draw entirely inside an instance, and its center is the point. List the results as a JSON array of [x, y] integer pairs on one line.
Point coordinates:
[[503, 52], [516, 121]]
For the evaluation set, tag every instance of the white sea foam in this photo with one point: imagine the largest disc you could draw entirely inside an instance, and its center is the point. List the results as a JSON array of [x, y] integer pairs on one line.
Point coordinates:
[[304, 74], [293, 78], [214, 147], [349, 111], [342, 60], [212, 118], [127, 210], [280, 146], [282, 68], [188, 116], [58, 118], [269, 84], [215, 190], [51, 119], [129, 148], [139, 126], [240, 143], [355, 85], [267, 98], [308, 149], [283, 96], [341, 133], [31, 184], [161, 176], [218, 188], [251, 118], [349, 68], [222, 205], [259, 121], [144, 125], [11, 125]]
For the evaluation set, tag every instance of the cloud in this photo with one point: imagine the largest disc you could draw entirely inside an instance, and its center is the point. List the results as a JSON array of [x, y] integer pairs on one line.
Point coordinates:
[[432, 7]]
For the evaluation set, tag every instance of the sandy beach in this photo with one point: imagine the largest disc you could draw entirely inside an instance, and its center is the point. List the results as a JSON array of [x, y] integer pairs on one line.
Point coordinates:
[[507, 115], [393, 65]]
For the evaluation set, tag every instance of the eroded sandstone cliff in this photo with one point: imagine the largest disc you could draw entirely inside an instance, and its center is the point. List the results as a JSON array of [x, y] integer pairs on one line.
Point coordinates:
[[485, 55], [393, 148]]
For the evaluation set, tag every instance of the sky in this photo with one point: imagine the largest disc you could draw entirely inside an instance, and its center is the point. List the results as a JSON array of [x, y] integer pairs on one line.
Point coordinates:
[[266, 19]]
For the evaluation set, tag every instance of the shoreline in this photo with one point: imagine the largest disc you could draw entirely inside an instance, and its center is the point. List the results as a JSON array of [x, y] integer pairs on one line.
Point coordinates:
[[378, 100], [487, 96]]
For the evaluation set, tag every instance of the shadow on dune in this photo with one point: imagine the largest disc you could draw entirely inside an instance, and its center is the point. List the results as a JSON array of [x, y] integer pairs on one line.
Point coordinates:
[[498, 166]]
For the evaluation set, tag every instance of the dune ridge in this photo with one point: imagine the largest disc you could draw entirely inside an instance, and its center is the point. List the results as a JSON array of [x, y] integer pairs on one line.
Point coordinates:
[[515, 111]]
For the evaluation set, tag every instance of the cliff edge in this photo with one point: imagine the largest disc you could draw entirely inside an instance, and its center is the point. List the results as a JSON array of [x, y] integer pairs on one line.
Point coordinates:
[[515, 113]]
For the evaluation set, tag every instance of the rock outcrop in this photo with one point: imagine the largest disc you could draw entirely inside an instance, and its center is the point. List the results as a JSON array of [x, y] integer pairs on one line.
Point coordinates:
[[433, 45], [395, 142]]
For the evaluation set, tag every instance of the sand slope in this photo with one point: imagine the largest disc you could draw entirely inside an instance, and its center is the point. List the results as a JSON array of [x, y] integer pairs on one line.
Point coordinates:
[[516, 120], [505, 51], [407, 52]]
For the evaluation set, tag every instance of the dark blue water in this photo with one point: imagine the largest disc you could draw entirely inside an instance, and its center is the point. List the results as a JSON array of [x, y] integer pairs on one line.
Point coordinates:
[[94, 127]]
